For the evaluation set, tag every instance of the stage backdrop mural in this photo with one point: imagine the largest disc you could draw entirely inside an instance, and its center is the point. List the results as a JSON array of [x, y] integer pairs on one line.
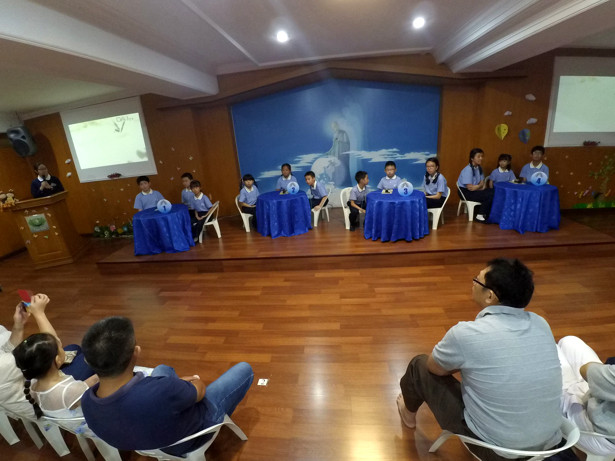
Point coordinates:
[[336, 128]]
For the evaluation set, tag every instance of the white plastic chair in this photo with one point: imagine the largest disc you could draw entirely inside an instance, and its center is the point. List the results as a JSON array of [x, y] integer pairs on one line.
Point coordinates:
[[437, 212], [108, 452], [199, 453], [6, 430], [245, 217], [569, 431], [592, 456], [211, 219], [469, 205], [316, 213], [51, 432], [344, 197]]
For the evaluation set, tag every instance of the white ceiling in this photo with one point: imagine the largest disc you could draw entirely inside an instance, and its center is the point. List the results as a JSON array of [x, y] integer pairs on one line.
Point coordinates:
[[56, 54]]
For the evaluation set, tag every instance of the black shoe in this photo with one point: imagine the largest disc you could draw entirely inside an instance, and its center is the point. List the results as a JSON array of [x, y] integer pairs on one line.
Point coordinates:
[[352, 228]]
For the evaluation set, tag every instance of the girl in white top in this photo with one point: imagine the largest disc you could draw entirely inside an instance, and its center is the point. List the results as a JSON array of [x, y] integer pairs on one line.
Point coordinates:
[[47, 388]]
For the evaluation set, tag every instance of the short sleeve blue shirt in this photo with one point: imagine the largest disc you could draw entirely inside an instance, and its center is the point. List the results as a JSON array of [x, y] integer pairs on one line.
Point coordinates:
[[319, 190], [283, 182], [248, 196], [147, 413], [202, 203], [434, 187], [357, 195], [145, 201], [470, 175], [389, 183], [187, 196], [528, 170], [498, 175]]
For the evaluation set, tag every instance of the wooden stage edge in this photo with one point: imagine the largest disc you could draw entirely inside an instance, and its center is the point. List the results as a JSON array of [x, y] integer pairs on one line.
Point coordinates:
[[336, 248]]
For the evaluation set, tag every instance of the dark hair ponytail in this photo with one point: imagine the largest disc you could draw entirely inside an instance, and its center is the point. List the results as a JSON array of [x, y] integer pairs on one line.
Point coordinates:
[[34, 357]]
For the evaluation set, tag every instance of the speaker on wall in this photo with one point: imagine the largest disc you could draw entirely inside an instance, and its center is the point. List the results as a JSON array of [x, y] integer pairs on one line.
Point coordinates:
[[22, 141]]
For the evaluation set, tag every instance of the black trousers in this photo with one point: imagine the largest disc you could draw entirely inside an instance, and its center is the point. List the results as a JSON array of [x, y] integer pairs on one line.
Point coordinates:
[[316, 201], [485, 197], [435, 202], [197, 225], [252, 211], [354, 213], [443, 396]]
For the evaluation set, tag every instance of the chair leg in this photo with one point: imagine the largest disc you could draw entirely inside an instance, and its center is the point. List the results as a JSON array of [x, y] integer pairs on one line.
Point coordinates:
[[316, 216], [327, 213], [55, 439], [108, 452], [444, 436], [435, 219], [217, 227], [346, 219], [7, 430], [31, 430], [87, 451], [246, 222], [470, 212], [235, 428]]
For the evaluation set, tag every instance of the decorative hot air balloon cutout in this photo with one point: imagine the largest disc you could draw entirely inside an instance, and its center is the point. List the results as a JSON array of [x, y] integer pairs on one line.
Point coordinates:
[[501, 130], [524, 135], [405, 188]]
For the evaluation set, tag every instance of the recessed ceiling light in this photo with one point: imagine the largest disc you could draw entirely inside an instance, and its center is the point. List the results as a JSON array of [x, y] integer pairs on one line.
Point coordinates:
[[282, 36], [418, 22]]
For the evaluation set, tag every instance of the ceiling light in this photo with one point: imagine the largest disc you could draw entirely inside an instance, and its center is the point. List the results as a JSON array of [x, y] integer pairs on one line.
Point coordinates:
[[418, 22], [282, 36]]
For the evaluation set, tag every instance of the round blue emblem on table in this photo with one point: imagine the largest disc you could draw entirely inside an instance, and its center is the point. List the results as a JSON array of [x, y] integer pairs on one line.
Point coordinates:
[[292, 187], [405, 188], [539, 178], [164, 206]]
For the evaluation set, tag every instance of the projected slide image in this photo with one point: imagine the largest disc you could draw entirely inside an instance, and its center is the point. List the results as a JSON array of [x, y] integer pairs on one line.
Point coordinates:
[[109, 141], [585, 104]]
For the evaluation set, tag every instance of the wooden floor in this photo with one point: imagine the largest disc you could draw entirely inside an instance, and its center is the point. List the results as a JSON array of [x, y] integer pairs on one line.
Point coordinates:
[[333, 342]]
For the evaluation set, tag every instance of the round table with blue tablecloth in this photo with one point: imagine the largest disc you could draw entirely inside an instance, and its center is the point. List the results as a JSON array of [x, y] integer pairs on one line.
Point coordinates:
[[283, 214], [155, 232], [525, 207], [395, 217]]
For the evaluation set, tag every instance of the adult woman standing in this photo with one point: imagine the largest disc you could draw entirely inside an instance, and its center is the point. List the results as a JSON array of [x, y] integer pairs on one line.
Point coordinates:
[[44, 184]]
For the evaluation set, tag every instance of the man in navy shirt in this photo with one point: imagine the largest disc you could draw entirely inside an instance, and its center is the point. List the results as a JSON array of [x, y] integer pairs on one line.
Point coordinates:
[[133, 412]]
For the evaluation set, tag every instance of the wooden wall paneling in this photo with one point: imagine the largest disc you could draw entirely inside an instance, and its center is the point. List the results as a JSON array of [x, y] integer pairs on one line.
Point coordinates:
[[219, 156]]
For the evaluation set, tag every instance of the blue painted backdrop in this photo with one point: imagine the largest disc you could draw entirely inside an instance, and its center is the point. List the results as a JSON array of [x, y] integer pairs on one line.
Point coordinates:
[[336, 128]]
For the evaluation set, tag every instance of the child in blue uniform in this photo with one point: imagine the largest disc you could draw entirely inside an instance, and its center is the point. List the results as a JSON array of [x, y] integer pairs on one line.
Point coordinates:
[[44, 184], [187, 194], [472, 183], [357, 200], [248, 196], [391, 180], [285, 178], [148, 197], [201, 205], [503, 173], [434, 184], [535, 165], [319, 191]]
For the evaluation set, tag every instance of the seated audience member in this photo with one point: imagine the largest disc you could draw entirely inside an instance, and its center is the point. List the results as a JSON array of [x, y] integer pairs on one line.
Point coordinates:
[[201, 205], [319, 191], [148, 197], [248, 196], [504, 172], [510, 388], [187, 194], [357, 200], [472, 183], [588, 394], [132, 412], [11, 378], [285, 178], [390, 180], [49, 385], [44, 184], [434, 184], [535, 165]]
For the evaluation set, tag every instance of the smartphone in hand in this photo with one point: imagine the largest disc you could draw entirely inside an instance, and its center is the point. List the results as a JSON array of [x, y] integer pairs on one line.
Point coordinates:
[[26, 297]]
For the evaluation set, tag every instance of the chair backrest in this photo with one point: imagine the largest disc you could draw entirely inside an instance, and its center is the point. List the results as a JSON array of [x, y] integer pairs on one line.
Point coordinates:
[[237, 203], [448, 194], [212, 214], [463, 197], [569, 431], [344, 196]]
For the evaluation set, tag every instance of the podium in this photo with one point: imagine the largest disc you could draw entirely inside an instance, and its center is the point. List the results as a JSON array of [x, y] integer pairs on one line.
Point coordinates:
[[48, 231]]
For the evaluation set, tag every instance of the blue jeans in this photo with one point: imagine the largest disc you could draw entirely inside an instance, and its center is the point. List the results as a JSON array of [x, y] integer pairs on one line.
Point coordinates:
[[224, 394]]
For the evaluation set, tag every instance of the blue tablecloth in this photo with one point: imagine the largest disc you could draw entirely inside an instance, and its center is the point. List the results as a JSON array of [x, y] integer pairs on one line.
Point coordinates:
[[283, 215], [525, 207], [156, 232], [395, 217]]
